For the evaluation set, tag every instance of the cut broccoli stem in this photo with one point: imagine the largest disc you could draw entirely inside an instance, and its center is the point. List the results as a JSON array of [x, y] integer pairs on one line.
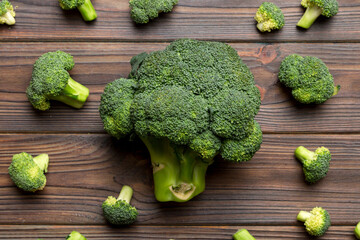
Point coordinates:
[[303, 216], [309, 17], [126, 194], [87, 11], [9, 18], [260, 26], [303, 154], [357, 231], [179, 173], [74, 94], [42, 161], [243, 234]]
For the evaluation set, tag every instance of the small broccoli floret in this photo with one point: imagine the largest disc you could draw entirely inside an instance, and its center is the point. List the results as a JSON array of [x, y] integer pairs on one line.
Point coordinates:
[[7, 13], [315, 8], [316, 222], [357, 231], [315, 164], [142, 11], [308, 77], [27, 172], [119, 211], [74, 235], [243, 234], [51, 81], [269, 17], [85, 7]]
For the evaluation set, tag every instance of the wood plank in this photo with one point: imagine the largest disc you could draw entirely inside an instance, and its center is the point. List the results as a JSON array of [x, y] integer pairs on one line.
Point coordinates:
[[269, 190], [229, 20], [100, 63], [9, 232]]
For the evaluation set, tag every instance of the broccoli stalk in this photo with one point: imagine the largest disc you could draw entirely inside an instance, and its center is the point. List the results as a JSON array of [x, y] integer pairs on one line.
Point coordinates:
[[42, 161], [309, 17], [243, 234], [316, 222], [303, 154], [357, 231], [179, 172], [74, 94], [74, 235], [7, 13], [87, 11]]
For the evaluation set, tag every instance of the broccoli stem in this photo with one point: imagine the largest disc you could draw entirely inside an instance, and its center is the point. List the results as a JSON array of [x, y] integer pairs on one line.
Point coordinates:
[[74, 94], [357, 231], [42, 161], [87, 11], [336, 90], [260, 26], [243, 234], [126, 194], [303, 216], [179, 173], [309, 17], [303, 154], [9, 18]]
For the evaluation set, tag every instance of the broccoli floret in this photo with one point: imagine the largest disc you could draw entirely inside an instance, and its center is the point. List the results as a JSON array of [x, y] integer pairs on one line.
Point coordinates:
[[119, 211], [142, 11], [187, 103], [27, 172], [316, 222], [51, 81], [308, 77], [269, 17], [315, 164], [243, 234], [7, 13], [74, 235], [357, 231], [315, 8], [85, 7]]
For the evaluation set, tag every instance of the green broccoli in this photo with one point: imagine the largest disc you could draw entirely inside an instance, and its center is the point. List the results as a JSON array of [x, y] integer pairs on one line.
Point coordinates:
[[308, 77], [119, 211], [243, 234], [315, 164], [85, 7], [7, 13], [27, 172], [51, 81], [142, 11], [187, 103], [269, 17], [315, 8], [74, 235], [357, 231], [316, 222]]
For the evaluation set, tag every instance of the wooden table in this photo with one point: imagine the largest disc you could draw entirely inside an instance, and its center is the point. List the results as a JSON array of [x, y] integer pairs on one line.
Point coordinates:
[[86, 165]]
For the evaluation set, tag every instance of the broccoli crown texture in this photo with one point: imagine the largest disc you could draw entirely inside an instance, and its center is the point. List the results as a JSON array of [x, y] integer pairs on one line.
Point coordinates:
[[308, 77], [70, 4], [357, 231], [27, 172], [85, 7], [316, 222], [191, 101], [315, 164], [269, 17], [243, 234], [119, 211], [74, 235], [7, 13], [142, 11], [51, 81], [315, 8]]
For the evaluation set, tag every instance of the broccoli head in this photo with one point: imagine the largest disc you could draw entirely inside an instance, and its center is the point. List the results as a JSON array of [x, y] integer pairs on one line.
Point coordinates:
[[316, 222], [187, 103], [74, 235], [51, 81], [85, 7], [308, 77], [7, 13], [269, 17], [119, 211], [27, 172], [243, 234], [142, 11], [315, 8], [315, 164]]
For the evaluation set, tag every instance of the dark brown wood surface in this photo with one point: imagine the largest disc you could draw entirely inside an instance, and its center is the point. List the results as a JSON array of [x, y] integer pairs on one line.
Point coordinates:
[[87, 165]]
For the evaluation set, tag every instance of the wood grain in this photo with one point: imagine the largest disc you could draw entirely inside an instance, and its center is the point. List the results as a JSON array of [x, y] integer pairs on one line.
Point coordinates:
[[229, 20], [269, 190], [8, 232], [100, 63]]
